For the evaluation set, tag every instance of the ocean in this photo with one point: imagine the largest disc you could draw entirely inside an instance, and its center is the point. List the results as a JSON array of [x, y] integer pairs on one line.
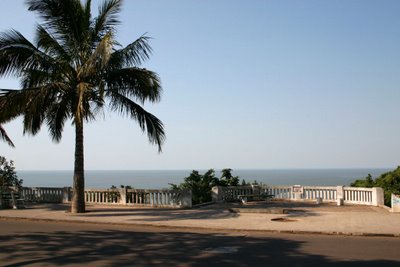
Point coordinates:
[[158, 179]]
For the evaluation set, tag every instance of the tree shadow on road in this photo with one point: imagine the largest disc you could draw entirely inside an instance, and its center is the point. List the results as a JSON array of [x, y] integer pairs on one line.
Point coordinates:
[[114, 247]]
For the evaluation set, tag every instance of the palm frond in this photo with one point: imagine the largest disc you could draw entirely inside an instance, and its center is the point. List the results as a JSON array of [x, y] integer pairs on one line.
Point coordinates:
[[50, 44], [18, 54], [36, 78], [66, 20], [87, 14], [32, 103], [107, 18], [147, 121], [12, 103], [4, 136], [139, 83], [61, 17], [133, 54], [58, 113]]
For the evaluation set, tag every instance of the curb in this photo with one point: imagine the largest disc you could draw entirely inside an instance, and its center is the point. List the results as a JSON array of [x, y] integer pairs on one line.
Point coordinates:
[[208, 229]]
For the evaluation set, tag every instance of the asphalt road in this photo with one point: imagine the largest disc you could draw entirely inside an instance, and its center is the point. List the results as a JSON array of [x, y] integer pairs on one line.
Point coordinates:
[[32, 243]]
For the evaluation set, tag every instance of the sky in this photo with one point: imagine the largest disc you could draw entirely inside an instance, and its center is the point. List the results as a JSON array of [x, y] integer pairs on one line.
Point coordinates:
[[255, 84]]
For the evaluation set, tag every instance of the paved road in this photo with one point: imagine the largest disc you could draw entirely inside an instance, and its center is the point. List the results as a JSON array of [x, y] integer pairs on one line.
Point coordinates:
[[30, 243]]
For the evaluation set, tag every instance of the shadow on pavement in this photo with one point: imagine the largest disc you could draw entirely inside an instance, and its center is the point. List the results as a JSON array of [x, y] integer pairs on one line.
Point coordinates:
[[111, 247], [162, 215]]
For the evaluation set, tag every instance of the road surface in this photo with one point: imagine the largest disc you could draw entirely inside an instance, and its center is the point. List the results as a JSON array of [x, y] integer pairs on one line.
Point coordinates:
[[33, 243]]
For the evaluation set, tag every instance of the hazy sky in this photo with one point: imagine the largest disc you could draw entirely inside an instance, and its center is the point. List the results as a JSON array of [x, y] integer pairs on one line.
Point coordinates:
[[247, 84]]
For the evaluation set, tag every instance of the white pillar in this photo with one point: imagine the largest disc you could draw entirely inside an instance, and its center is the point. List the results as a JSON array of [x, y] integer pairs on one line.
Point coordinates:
[[297, 191], [377, 196], [395, 203], [122, 196], [339, 195]]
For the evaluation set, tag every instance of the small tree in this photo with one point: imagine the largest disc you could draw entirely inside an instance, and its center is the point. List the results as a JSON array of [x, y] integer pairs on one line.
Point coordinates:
[[367, 182], [389, 181], [199, 184], [227, 179], [8, 176]]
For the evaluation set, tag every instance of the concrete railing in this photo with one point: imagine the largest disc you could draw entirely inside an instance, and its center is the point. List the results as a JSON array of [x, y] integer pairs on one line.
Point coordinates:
[[143, 197], [339, 194], [326, 193], [44, 194], [102, 196], [228, 193], [123, 196], [358, 195], [279, 192], [182, 198]]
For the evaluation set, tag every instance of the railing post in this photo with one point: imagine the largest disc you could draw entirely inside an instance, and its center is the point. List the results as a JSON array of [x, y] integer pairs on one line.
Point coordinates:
[[297, 191], [122, 195], [66, 196], [216, 193], [339, 195], [377, 196]]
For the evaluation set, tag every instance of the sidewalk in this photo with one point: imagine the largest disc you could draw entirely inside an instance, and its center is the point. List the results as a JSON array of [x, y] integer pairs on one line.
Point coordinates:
[[300, 217]]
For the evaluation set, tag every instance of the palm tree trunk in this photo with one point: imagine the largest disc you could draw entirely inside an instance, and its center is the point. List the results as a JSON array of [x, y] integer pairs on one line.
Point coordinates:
[[78, 197]]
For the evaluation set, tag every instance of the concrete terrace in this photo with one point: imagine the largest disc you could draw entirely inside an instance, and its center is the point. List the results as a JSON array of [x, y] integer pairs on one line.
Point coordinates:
[[299, 217]]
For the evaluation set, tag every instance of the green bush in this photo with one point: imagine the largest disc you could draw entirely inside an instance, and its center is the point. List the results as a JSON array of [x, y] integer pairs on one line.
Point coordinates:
[[227, 179], [367, 182], [389, 181], [8, 176], [201, 184]]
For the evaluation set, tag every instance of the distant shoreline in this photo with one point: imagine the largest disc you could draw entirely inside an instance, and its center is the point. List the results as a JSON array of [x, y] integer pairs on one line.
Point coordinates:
[[162, 178]]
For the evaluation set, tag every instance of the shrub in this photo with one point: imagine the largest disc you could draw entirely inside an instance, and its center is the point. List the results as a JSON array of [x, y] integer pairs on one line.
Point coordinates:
[[201, 184], [227, 179], [8, 176], [389, 181]]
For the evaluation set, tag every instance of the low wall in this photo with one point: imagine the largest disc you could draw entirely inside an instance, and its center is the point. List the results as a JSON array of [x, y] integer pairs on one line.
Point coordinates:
[[337, 194], [140, 197], [45, 194], [123, 196]]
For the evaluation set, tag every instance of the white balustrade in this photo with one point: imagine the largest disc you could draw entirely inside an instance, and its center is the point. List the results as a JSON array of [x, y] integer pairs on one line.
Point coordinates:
[[102, 196], [326, 193], [143, 197], [177, 198], [350, 195], [230, 193], [357, 195], [42, 194], [279, 192]]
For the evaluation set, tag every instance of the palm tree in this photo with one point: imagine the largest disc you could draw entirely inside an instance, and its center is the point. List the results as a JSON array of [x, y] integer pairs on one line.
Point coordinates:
[[72, 71], [4, 136]]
